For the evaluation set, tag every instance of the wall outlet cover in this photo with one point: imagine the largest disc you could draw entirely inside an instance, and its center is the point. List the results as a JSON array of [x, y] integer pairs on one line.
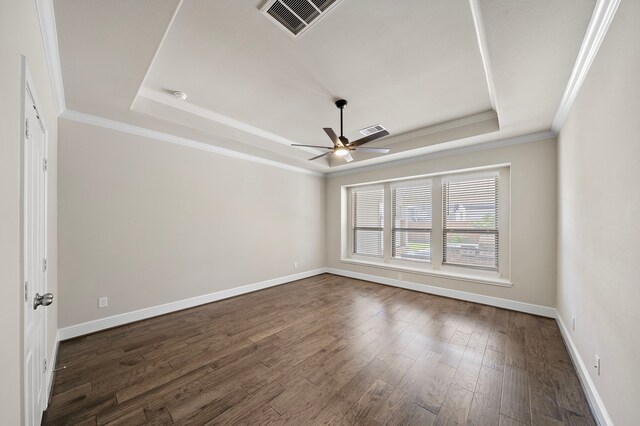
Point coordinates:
[[103, 302]]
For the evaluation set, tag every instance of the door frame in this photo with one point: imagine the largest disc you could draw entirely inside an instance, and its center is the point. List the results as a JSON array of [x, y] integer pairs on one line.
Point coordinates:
[[27, 86]]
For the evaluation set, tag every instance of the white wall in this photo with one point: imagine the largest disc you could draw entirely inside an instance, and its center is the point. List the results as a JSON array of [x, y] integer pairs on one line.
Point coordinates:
[[146, 222], [20, 35], [533, 219], [599, 231]]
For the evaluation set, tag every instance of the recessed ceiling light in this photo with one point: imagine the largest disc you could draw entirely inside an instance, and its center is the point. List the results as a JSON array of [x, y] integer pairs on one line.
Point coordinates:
[[180, 95]]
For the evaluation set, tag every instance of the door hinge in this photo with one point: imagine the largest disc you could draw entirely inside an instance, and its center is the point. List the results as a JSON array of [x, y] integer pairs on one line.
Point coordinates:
[[44, 265], [45, 164], [45, 365], [27, 130], [26, 291]]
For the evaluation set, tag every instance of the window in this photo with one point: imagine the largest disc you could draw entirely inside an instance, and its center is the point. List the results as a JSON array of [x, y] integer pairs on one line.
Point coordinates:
[[368, 221], [470, 222], [411, 210], [454, 225]]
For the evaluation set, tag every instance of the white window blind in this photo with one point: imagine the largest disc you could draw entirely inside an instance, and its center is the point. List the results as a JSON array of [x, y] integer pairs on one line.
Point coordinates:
[[368, 220], [411, 224], [470, 222]]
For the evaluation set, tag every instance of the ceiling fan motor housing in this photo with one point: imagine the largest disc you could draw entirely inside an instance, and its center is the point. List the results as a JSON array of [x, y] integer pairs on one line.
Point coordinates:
[[341, 103]]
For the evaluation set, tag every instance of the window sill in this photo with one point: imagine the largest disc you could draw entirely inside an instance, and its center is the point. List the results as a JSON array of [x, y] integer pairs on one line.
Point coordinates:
[[501, 282]]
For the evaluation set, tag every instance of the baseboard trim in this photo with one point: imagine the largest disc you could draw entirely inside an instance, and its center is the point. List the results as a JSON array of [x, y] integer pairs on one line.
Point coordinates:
[[596, 403], [529, 308], [129, 317]]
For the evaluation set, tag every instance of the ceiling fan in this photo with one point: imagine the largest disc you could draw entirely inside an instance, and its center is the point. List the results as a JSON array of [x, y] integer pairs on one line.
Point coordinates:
[[341, 145]]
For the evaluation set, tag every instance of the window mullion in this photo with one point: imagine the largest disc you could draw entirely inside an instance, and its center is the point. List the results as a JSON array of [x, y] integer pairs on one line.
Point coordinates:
[[386, 234], [349, 226], [504, 199], [436, 233]]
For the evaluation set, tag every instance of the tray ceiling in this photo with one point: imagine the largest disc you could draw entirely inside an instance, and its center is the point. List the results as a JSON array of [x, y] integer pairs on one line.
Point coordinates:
[[417, 69]]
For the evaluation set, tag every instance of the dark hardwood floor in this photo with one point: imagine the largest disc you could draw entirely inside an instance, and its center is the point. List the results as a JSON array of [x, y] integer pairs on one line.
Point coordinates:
[[324, 350]]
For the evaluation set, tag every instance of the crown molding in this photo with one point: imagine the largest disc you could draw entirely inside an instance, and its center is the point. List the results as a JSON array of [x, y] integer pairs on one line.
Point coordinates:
[[170, 101], [177, 140], [442, 127], [47, 20], [599, 24], [499, 143], [190, 143], [207, 114], [484, 53]]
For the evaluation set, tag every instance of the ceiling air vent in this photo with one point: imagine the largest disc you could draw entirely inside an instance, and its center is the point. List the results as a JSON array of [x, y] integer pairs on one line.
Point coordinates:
[[372, 129], [296, 16]]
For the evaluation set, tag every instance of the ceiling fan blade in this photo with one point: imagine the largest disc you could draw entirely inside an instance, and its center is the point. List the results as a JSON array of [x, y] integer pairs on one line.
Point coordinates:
[[348, 158], [372, 149], [369, 138], [332, 135], [312, 146], [321, 155]]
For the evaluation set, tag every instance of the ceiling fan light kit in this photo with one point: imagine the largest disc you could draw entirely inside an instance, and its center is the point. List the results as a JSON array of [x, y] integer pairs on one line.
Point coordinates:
[[341, 145]]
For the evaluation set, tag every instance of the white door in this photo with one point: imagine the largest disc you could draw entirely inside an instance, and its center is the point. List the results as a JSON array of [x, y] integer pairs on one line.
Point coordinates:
[[35, 263]]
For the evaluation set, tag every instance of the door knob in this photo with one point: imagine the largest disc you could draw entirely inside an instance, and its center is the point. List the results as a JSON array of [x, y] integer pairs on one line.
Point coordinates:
[[44, 300]]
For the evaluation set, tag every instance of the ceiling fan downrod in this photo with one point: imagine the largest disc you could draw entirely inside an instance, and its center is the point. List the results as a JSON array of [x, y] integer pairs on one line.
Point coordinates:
[[341, 103]]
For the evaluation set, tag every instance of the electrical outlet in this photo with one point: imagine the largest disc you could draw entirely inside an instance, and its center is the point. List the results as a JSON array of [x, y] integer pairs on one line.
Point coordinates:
[[573, 322], [295, 265], [596, 363], [103, 302]]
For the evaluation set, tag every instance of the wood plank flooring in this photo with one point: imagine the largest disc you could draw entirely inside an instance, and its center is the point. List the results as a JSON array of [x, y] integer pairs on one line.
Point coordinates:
[[324, 350]]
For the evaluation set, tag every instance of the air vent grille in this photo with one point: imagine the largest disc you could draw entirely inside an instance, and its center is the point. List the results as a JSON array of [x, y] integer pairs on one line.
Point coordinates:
[[303, 9], [286, 17], [372, 129], [323, 4], [296, 16]]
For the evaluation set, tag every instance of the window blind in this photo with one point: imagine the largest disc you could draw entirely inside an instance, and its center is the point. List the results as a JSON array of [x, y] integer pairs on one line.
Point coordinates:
[[411, 224], [368, 221], [470, 222]]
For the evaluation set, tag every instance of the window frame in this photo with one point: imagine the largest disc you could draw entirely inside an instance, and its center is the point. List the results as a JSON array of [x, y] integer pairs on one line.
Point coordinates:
[[352, 229], [408, 184], [435, 266], [496, 230]]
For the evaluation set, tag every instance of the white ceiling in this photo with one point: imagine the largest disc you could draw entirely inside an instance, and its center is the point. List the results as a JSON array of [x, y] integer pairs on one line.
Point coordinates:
[[404, 67], [415, 67]]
